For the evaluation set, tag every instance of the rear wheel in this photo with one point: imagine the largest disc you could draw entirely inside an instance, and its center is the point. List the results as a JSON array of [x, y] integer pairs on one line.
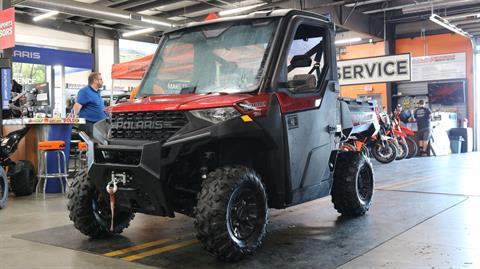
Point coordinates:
[[231, 213], [385, 152], [3, 188], [22, 178], [412, 147], [353, 183], [90, 210]]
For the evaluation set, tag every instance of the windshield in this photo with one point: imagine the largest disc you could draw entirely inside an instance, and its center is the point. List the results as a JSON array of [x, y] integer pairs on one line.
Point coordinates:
[[224, 57]]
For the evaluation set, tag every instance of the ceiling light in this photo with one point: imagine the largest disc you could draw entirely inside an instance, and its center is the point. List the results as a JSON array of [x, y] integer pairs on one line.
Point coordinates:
[[348, 40], [239, 10], [446, 24], [46, 15], [157, 22], [139, 32]]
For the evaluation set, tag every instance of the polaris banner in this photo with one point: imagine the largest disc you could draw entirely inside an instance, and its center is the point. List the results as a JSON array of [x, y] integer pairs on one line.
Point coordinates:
[[35, 55], [374, 70], [7, 28]]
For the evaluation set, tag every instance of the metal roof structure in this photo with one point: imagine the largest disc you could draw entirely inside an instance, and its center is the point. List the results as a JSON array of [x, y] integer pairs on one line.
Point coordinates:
[[369, 18]]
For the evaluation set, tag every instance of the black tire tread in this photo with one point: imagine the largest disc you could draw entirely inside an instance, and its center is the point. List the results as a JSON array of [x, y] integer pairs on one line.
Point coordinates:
[[385, 160], [79, 205], [344, 196], [4, 194], [210, 212], [24, 180]]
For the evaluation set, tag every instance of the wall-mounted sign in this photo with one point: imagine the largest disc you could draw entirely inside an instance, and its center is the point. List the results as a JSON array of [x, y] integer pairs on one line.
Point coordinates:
[[35, 55], [6, 86], [374, 70], [7, 28], [439, 67]]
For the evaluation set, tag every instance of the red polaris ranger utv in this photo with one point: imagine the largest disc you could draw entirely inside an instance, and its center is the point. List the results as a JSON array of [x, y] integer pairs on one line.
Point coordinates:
[[233, 117]]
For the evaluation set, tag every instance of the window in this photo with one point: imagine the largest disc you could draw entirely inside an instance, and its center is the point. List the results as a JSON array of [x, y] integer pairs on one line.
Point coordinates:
[[305, 58]]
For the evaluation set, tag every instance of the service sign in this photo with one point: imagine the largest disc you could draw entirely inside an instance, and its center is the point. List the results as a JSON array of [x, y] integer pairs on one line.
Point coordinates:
[[7, 28], [374, 70]]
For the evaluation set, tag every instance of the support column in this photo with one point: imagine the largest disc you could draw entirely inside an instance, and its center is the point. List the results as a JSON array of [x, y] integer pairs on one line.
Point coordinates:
[[6, 56], [390, 50]]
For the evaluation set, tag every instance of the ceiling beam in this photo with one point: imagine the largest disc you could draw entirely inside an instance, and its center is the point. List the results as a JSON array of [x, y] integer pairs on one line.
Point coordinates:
[[99, 12]]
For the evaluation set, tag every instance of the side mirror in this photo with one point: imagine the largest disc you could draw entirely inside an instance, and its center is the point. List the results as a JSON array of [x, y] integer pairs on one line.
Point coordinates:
[[300, 61]]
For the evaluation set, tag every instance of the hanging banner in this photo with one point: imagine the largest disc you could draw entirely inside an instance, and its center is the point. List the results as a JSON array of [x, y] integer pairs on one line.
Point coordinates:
[[36, 55], [374, 70], [6, 76], [439, 67], [7, 28]]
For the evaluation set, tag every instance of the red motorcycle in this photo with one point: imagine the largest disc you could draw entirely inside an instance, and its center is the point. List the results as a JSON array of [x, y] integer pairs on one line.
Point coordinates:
[[404, 136]]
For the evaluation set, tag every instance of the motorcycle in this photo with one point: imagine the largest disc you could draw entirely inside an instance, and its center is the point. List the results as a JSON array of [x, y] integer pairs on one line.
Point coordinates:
[[406, 136], [391, 130], [21, 173]]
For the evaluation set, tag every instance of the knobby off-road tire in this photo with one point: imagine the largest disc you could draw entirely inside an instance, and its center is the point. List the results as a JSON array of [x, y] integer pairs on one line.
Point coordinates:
[[412, 147], [384, 154], [90, 209], [402, 150], [353, 183], [3, 188], [23, 179], [231, 213]]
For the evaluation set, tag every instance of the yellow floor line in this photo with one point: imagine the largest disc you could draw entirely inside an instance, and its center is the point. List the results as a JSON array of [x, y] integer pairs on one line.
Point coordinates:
[[406, 183], [394, 184], [137, 247], [410, 183], [159, 250]]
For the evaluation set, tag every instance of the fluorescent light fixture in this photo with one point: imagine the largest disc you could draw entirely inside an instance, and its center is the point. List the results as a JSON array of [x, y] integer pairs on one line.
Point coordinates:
[[157, 22], [46, 15], [139, 32], [348, 40], [446, 24], [229, 12]]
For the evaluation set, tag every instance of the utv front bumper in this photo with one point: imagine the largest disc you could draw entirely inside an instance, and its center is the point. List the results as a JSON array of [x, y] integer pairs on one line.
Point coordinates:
[[143, 190]]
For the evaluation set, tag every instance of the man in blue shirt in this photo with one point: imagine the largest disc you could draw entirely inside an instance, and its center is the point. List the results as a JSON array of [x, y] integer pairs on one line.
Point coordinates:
[[89, 103]]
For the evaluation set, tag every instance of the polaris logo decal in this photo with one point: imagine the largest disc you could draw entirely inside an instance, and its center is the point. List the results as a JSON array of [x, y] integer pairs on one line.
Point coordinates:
[[26, 54], [139, 125]]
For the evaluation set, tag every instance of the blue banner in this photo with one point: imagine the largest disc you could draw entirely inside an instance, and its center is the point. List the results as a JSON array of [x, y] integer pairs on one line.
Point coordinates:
[[35, 55], [6, 75]]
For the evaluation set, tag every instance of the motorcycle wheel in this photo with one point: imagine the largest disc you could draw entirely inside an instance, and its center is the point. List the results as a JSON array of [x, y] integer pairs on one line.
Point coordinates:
[[402, 150], [412, 147], [384, 153]]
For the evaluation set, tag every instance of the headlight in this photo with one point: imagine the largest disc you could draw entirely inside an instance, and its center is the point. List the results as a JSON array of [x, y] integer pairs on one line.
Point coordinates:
[[216, 115]]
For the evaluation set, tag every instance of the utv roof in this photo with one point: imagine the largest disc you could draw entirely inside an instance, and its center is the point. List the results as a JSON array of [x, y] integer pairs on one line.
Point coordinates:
[[259, 14]]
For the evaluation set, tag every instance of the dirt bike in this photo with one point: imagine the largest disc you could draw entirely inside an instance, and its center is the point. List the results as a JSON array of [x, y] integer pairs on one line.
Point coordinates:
[[379, 145], [21, 173]]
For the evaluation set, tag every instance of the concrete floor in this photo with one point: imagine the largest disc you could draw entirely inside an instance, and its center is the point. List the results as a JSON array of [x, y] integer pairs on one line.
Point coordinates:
[[425, 215]]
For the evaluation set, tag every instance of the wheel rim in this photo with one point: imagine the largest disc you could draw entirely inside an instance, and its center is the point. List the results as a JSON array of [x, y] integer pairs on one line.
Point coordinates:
[[244, 214], [365, 184], [101, 210], [384, 151]]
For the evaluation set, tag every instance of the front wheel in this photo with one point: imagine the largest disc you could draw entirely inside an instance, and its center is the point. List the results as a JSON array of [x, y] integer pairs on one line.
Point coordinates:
[[90, 210], [384, 152], [3, 188], [412, 147], [353, 183], [231, 213], [402, 150]]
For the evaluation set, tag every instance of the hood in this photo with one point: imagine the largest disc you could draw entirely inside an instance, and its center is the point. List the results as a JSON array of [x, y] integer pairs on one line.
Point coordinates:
[[179, 102]]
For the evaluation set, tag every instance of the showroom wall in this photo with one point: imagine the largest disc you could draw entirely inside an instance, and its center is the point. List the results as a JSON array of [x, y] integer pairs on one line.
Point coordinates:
[[442, 44], [363, 51]]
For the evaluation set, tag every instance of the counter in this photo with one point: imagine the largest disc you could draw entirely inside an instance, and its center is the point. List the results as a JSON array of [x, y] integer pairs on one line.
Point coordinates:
[[41, 129]]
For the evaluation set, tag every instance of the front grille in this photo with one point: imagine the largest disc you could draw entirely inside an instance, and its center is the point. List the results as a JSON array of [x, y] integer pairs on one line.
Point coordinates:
[[158, 126]]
